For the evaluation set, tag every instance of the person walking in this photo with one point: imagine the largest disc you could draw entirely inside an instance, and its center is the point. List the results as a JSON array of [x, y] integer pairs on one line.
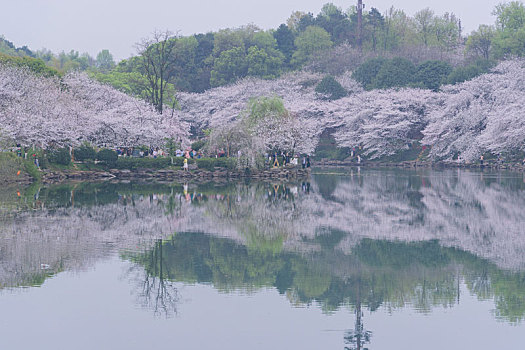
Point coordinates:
[[307, 161], [185, 166], [275, 161], [304, 162]]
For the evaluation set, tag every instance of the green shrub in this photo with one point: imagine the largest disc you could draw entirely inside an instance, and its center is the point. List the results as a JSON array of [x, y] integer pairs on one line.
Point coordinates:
[[197, 145], [9, 165], [59, 156], [148, 163], [397, 72], [108, 157], [85, 152], [35, 65], [212, 163], [206, 163], [465, 73], [228, 163], [462, 74], [432, 74], [32, 170], [367, 72], [179, 161], [330, 88], [171, 146], [42, 156]]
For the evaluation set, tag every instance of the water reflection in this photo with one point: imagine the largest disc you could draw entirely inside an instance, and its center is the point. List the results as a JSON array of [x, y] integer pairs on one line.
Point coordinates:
[[392, 275], [154, 287], [363, 241]]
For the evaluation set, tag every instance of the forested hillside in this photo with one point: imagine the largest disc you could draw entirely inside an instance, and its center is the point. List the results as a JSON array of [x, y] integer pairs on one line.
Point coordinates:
[[326, 42]]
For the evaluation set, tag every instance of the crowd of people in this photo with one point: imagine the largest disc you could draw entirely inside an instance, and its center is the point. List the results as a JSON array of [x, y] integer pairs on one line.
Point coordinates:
[[276, 160], [157, 152]]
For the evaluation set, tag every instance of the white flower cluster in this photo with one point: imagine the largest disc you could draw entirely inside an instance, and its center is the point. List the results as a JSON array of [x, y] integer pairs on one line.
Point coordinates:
[[468, 119], [465, 120], [44, 111]]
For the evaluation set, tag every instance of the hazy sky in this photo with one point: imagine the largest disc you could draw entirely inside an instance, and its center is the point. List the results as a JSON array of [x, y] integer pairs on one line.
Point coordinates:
[[93, 25]]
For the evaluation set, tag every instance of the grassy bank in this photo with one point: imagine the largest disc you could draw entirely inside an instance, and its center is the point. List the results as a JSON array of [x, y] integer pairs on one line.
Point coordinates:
[[15, 169]]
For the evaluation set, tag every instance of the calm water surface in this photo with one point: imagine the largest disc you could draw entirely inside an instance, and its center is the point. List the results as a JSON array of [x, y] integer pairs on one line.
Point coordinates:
[[371, 259]]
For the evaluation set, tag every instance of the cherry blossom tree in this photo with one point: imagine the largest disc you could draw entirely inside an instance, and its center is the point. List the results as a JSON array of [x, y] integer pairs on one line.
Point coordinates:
[[468, 119], [461, 121], [481, 115], [43, 111]]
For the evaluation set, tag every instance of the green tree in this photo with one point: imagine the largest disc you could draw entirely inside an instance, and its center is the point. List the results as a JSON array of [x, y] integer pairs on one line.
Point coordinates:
[[8, 48], [105, 61], [510, 36], [374, 23], [293, 21], [510, 16], [263, 40], [335, 22], [35, 65], [399, 30], [183, 62], [84, 152], [479, 42], [108, 157], [367, 72], [131, 83], [424, 22], [229, 66], [397, 72], [432, 74], [59, 156], [285, 41], [226, 39], [313, 39], [154, 62], [203, 62], [330, 88], [263, 65], [446, 30], [461, 74]]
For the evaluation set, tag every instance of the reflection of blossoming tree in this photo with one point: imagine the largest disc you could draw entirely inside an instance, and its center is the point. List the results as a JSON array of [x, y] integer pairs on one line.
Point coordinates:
[[344, 232]]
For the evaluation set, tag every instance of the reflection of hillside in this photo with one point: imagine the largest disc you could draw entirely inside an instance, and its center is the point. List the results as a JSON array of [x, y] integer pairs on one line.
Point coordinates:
[[378, 273]]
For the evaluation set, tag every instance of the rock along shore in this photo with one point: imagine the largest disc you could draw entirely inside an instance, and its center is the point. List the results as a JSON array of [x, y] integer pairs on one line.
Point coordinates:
[[170, 175], [430, 165], [166, 175]]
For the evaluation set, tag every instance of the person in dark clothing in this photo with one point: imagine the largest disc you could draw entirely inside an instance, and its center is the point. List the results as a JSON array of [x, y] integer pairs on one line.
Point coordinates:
[[307, 161]]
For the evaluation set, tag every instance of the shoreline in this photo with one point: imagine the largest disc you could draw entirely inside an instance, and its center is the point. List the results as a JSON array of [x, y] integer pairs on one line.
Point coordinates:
[[169, 175], [516, 167]]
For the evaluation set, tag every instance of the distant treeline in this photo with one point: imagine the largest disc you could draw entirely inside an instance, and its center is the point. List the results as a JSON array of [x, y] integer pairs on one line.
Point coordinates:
[[325, 42]]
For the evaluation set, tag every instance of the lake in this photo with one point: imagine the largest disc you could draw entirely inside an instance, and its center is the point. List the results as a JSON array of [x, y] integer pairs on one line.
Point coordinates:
[[348, 259]]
